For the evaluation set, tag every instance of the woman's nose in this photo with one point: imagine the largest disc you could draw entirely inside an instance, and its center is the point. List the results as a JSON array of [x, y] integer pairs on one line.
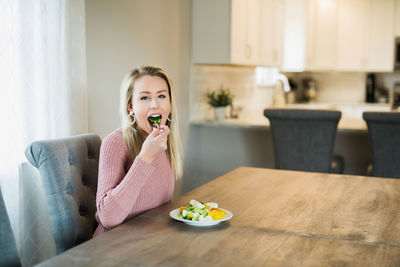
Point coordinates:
[[154, 103]]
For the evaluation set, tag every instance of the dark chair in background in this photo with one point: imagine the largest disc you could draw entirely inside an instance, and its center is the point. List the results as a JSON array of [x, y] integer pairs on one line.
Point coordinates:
[[8, 249], [384, 136], [68, 168], [304, 139]]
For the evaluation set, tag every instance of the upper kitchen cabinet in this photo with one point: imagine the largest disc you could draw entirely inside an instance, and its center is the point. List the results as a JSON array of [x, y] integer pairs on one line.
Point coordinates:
[[339, 35], [352, 35], [365, 35], [271, 32], [236, 32], [245, 32], [294, 36], [321, 33], [310, 35], [211, 31], [381, 36]]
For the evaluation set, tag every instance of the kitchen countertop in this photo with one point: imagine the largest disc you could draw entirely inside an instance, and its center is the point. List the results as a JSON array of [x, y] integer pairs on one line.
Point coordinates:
[[345, 124], [351, 120]]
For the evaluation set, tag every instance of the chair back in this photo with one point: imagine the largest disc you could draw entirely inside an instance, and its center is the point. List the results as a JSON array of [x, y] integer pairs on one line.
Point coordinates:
[[68, 168], [384, 136], [8, 249], [303, 139]]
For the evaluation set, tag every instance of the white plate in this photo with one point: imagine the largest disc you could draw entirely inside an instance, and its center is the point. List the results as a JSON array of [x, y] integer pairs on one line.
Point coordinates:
[[175, 213]]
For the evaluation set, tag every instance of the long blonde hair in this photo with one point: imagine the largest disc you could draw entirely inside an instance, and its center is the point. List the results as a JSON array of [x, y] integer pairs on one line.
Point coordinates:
[[133, 137]]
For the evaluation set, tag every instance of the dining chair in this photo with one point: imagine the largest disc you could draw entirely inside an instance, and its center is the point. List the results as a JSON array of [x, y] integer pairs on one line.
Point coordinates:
[[8, 250], [384, 136], [304, 139], [68, 169]]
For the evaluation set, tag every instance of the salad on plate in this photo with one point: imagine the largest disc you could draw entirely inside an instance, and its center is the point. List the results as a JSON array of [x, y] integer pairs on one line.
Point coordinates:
[[201, 213]]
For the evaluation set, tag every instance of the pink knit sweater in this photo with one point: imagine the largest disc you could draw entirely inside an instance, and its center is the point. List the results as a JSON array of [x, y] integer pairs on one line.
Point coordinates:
[[127, 188]]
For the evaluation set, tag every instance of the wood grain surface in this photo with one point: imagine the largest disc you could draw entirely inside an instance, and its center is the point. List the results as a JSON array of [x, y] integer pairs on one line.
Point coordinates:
[[280, 218]]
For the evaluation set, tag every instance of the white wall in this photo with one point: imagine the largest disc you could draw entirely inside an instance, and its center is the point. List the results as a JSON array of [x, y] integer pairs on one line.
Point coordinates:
[[124, 34]]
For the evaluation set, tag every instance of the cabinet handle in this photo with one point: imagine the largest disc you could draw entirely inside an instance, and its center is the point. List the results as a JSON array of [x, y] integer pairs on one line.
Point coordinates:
[[247, 51]]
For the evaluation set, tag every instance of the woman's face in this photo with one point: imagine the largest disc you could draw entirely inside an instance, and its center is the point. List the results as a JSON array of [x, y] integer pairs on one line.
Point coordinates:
[[150, 97]]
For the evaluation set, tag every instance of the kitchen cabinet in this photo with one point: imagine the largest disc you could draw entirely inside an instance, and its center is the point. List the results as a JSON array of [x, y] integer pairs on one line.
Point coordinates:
[[237, 32], [321, 29], [245, 32], [365, 37], [339, 35], [310, 35], [271, 32], [352, 35], [294, 36], [211, 31], [381, 36]]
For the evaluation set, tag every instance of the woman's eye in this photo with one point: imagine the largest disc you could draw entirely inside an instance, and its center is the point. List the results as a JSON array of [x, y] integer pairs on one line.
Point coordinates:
[[144, 98], [162, 96]]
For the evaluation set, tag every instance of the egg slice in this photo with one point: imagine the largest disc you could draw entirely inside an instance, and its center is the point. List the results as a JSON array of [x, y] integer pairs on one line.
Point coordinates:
[[212, 205], [196, 204]]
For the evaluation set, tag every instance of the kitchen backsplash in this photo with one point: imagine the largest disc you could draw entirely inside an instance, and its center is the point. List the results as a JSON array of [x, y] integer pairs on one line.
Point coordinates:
[[335, 87], [240, 81], [251, 99]]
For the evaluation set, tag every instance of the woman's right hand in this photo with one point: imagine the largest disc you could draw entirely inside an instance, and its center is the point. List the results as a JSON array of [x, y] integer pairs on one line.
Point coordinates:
[[155, 143]]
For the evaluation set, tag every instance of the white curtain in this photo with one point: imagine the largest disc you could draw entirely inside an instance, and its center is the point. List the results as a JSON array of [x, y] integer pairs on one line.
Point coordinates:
[[43, 95]]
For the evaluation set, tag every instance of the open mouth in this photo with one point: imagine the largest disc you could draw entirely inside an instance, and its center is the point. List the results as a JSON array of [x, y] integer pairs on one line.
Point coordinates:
[[155, 120]]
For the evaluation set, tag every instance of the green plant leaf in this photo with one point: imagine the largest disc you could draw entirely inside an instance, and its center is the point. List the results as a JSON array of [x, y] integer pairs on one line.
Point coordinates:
[[220, 98]]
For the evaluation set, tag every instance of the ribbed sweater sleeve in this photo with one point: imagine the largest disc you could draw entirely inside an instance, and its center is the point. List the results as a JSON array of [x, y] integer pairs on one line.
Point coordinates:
[[117, 192]]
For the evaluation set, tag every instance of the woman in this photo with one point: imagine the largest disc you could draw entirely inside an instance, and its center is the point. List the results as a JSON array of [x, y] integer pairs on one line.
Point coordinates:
[[138, 162]]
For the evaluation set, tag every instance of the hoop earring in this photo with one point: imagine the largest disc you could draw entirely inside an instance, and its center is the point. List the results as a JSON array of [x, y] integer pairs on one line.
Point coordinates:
[[133, 118], [168, 118]]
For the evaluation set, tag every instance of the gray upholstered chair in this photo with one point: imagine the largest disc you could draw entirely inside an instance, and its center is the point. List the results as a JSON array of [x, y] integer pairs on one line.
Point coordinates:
[[384, 136], [8, 249], [304, 139], [68, 168]]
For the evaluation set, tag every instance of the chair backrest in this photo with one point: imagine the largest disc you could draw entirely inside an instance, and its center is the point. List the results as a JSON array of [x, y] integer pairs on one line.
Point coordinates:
[[68, 168], [384, 136], [303, 139], [8, 249]]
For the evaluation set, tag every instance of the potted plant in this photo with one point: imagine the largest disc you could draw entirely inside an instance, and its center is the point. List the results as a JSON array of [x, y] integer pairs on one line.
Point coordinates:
[[219, 100]]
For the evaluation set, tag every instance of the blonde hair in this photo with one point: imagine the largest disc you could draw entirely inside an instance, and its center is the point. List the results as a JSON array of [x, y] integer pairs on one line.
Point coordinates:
[[133, 137]]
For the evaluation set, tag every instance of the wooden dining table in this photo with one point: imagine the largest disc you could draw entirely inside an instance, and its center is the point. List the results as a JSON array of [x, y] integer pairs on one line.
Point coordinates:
[[280, 218]]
